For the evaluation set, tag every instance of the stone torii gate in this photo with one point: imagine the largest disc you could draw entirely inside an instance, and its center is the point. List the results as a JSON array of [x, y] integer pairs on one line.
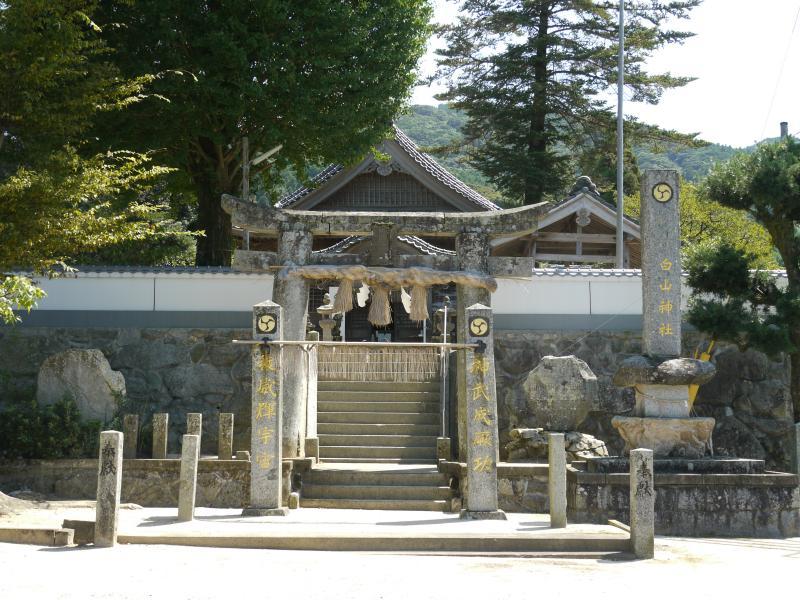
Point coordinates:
[[295, 231]]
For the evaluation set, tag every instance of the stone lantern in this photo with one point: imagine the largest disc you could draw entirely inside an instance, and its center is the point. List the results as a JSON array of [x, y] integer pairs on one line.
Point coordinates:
[[327, 322]]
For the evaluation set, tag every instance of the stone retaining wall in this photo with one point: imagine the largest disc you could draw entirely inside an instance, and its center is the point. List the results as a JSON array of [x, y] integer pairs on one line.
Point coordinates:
[[736, 505], [198, 370]]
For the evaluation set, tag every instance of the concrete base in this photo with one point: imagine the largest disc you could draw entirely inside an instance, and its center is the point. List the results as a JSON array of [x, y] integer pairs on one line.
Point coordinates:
[[266, 512], [685, 438], [39, 536], [483, 515], [84, 530]]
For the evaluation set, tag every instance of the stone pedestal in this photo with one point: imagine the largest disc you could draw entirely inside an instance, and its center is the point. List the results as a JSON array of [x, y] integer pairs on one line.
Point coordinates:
[[160, 435], [294, 249], [670, 401], [225, 437], [130, 431], [327, 326], [109, 488], [683, 438], [642, 503], [187, 492], [481, 410], [557, 480]]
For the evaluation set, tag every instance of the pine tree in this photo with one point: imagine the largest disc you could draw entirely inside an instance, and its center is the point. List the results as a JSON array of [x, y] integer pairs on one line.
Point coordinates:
[[535, 77]]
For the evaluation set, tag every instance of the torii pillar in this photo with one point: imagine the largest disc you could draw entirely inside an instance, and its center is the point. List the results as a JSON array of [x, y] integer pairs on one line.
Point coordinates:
[[294, 249]]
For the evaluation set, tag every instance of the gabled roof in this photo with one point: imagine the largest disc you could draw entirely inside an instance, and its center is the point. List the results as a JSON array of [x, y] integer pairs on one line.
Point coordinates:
[[407, 156], [424, 247]]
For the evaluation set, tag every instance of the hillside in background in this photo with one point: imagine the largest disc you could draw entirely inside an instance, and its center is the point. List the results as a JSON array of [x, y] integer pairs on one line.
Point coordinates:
[[431, 126]]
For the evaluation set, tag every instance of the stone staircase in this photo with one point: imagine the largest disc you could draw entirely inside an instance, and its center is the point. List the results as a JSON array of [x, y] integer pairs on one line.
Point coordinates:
[[377, 448], [379, 422]]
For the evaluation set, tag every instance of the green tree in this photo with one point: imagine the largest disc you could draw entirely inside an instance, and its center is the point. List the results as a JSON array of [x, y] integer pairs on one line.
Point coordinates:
[[55, 200], [323, 79], [747, 308], [706, 223], [533, 77]]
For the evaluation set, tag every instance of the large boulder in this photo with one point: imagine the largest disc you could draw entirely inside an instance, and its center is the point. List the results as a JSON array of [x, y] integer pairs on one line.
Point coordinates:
[[561, 392], [86, 377]]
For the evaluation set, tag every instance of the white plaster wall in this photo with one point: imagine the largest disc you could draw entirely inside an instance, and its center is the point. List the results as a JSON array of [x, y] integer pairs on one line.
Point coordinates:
[[85, 293], [220, 294]]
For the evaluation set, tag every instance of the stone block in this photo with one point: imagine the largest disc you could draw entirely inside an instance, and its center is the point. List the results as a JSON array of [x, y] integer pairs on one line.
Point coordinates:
[[190, 455], [636, 370], [642, 503], [561, 392], [671, 401], [130, 431], [557, 481], [194, 425], [86, 377], [160, 435], [109, 488], [225, 437]]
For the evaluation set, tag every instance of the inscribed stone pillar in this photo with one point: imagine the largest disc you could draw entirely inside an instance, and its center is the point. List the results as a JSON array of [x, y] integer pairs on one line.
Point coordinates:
[[642, 503], [294, 249], [557, 480], [481, 408], [661, 263], [109, 488], [194, 425], [160, 434], [266, 414], [225, 437], [312, 441], [187, 492], [130, 431], [472, 250]]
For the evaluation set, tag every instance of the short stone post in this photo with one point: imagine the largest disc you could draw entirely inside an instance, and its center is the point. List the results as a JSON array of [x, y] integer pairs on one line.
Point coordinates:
[[160, 435], [642, 502], [225, 437], [557, 480], [130, 431], [481, 412], [194, 425], [109, 488], [797, 448], [190, 454], [266, 483], [312, 439]]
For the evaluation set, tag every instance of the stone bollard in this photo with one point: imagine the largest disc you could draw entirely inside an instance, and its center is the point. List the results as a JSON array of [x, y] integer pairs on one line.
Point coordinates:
[[109, 488], [797, 448], [443, 448], [130, 431], [642, 501], [160, 435], [225, 437], [557, 480], [194, 425], [190, 454]]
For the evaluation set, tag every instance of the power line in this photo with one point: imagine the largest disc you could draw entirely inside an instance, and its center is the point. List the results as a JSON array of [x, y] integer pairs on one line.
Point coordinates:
[[780, 72]]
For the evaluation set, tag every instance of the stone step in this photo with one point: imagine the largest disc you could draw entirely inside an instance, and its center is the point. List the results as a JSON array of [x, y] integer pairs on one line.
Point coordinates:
[[408, 441], [376, 492], [368, 396], [383, 406], [378, 418], [378, 429], [438, 505], [378, 386], [423, 476], [400, 452]]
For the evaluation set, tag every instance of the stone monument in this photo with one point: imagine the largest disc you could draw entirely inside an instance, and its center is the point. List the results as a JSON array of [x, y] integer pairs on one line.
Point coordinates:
[[660, 378]]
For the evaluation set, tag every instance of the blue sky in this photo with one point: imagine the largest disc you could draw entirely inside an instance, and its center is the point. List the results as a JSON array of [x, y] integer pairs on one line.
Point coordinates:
[[740, 94]]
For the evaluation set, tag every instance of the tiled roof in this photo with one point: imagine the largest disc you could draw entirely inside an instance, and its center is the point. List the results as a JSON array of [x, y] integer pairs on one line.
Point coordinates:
[[316, 181], [423, 160]]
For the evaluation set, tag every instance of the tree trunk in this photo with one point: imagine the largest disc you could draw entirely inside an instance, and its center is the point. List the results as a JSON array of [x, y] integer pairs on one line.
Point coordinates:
[[215, 249], [537, 138]]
